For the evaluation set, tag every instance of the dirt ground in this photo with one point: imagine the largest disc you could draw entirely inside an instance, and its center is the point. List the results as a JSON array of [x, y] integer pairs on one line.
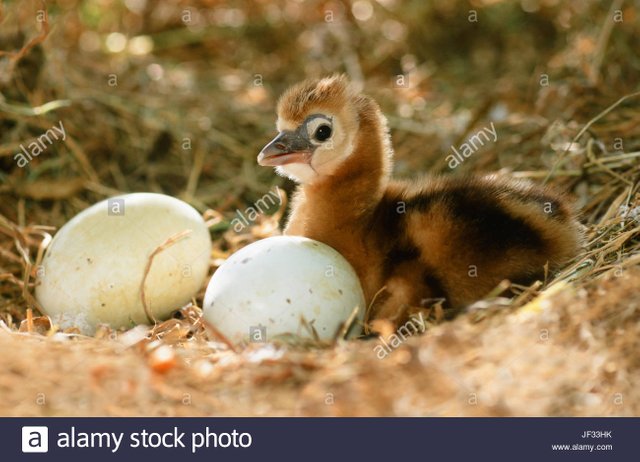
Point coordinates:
[[558, 79], [573, 353]]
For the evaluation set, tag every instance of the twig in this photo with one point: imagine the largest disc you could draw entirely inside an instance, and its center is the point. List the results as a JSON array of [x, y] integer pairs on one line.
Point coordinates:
[[609, 159], [603, 40], [166, 244], [370, 307], [311, 328], [83, 160], [46, 240], [585, 128], [212, 217], [194, 175], [344, 328], [220, 336], [29, 111], [14, 57], [592, 157]]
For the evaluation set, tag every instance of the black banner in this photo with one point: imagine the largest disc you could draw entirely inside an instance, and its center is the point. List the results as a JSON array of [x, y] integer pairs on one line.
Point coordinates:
[[311, 439]]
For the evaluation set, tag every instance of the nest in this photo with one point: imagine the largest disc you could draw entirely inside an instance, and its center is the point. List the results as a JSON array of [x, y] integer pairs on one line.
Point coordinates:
[[163, 105]]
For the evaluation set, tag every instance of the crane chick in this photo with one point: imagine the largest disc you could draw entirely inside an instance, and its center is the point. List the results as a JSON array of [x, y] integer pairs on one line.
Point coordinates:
[[409, 242]]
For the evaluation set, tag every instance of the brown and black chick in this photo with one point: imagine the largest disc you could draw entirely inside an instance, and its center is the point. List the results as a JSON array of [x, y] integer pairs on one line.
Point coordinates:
[[451, 238]]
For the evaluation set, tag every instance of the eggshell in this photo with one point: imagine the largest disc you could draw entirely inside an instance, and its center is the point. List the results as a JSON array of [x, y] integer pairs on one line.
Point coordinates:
[[263, 290], [93, 269]]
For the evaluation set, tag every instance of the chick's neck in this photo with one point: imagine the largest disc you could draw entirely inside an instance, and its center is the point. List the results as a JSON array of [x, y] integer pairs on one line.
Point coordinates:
[[335, 208]]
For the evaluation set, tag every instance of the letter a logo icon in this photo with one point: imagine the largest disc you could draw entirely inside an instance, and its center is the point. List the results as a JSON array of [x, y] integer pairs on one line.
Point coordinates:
[[35, 439]]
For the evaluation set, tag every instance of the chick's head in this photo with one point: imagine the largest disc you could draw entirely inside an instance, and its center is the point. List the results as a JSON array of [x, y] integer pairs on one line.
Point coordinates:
[[317, 127]]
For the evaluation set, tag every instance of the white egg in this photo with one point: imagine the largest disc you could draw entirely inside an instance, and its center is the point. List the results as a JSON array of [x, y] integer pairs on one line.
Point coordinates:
[[265, 289], [93, 268]]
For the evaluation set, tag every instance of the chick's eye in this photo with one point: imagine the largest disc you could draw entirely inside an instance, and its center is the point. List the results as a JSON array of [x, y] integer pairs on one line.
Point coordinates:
[[323, 133]]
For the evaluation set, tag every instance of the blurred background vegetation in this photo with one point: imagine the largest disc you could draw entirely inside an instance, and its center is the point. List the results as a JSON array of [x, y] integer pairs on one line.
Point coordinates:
[[179, 96]]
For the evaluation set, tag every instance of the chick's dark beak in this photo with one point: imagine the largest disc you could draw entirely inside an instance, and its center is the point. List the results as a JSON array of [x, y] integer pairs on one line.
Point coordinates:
[[288, 147]]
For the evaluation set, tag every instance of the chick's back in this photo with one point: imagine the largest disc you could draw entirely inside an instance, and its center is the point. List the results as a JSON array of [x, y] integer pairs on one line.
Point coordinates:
[[458, 238]]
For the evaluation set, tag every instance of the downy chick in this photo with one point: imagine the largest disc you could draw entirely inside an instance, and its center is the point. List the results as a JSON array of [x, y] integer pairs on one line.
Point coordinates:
[[450, 238]]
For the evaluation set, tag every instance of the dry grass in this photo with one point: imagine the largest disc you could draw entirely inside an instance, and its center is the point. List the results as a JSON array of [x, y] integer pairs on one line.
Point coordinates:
[[566, 346]]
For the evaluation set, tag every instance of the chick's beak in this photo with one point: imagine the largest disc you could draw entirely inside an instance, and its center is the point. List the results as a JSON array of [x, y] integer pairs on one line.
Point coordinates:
[[288, 147]]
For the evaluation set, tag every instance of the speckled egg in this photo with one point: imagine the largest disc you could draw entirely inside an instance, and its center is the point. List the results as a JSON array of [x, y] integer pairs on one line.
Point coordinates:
[[93, 269], [278, 285]]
